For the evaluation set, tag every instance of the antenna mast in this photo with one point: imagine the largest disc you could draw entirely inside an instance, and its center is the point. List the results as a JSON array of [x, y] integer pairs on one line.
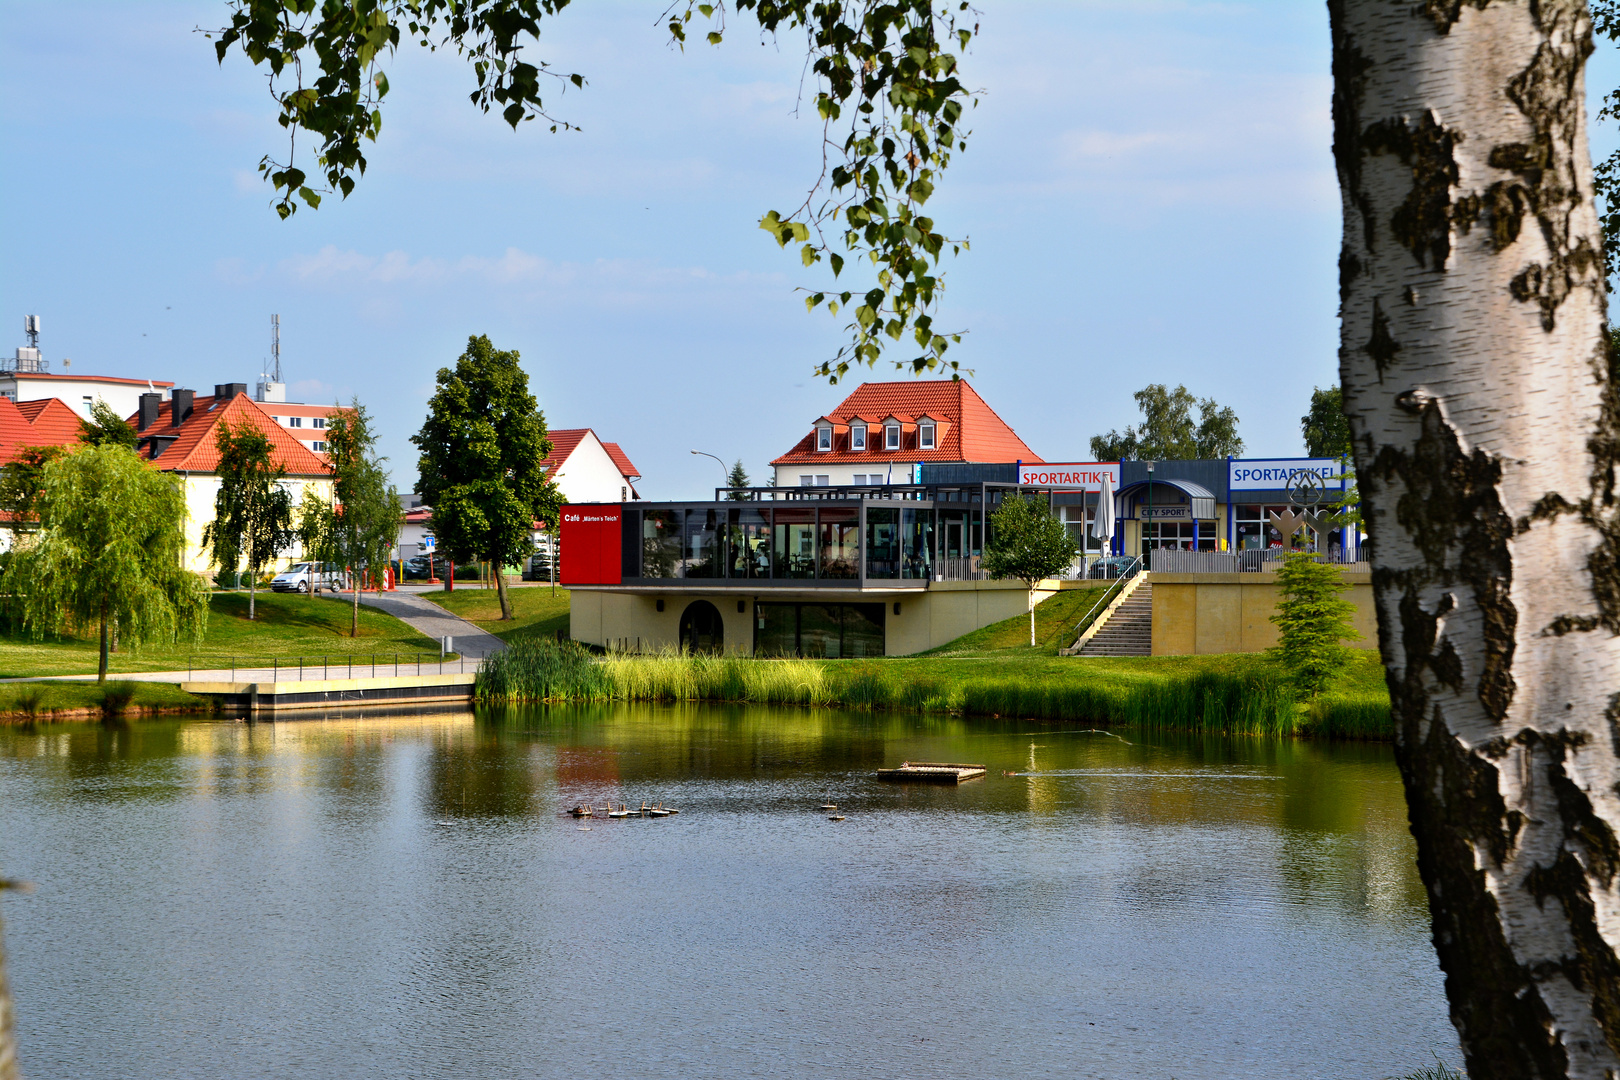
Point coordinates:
[[275, 348]]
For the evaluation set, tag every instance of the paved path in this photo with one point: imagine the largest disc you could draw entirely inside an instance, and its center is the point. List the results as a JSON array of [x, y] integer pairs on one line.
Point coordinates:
[[428, 618]]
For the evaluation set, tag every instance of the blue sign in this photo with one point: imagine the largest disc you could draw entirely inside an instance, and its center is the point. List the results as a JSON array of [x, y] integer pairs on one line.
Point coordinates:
[[1271, 474], [429, 543]]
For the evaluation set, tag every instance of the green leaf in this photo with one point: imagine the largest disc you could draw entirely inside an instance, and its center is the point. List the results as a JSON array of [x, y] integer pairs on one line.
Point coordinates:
[[714, 37], [310, 197], [809, 254]]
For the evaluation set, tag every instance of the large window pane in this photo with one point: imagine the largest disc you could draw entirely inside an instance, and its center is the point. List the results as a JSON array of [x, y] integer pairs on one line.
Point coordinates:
[[840, 543], [882, 543], [776, 629], [917, 544], [794, 543], [660, 543], [748, 544], [863, 630], [702, 544], [819, 630]]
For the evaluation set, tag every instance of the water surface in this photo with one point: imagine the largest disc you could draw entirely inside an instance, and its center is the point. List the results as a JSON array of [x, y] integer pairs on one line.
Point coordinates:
[[402, 897]]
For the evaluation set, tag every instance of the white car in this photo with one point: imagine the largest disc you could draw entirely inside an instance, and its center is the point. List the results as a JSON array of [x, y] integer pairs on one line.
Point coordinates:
[[305, 576]]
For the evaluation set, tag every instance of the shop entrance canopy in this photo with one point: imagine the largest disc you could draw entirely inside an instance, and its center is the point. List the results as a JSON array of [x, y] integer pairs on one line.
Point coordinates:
[[1201, 498]]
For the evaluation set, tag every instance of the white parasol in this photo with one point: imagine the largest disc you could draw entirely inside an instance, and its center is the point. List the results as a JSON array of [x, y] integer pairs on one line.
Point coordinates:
[[1102, 526]]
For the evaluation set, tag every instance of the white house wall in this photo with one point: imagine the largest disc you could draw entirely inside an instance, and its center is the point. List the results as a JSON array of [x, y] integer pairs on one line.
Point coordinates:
[[589, 474]]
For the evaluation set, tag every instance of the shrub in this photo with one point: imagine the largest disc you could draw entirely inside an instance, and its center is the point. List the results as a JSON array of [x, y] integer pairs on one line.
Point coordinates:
[[116, 697], [30, 697], [1314, 621]]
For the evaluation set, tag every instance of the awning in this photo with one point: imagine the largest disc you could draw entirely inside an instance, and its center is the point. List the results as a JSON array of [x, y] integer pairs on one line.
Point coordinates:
[[1201, 498]]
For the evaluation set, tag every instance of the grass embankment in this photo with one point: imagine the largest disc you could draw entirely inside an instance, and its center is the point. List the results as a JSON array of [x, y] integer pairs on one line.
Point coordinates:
[[44, 700], [536, 611], [1218, 695], [288, 626]]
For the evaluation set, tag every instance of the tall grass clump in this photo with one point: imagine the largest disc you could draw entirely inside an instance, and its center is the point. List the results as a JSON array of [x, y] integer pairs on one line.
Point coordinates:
[[674, 676], [1212, 702], [116, 697], [30, 698], [1367, 717], [541, 669]]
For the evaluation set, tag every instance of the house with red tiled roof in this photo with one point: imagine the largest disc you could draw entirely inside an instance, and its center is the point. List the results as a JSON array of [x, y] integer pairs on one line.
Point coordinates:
[[179, 435], [49, 422], [878, 432]]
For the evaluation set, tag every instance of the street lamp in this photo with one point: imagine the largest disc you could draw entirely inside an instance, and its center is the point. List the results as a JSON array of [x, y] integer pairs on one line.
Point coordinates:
[[1147, 548], [724, 472]]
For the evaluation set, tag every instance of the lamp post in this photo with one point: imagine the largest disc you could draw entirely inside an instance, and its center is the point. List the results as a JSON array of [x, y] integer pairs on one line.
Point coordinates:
[[724, 472], [1147, 549]]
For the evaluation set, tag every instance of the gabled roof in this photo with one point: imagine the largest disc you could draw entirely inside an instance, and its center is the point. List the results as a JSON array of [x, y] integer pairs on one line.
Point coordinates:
[[193, 448], [45, 422], [972, 432], [564, 441]]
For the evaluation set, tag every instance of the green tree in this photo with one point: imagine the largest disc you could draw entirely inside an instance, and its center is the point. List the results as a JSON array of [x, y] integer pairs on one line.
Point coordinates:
[[252, 509], [482, 465], [1168, 431], [1313, 621], [1326, 431], [106, 428], [887, 82], [111, 537], [364, 526], [1027, 543], [737, 478], [312, 524], [20, 482]]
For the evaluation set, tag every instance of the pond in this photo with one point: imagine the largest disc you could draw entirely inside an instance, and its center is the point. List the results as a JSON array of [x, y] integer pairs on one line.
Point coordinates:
[[404, 896]]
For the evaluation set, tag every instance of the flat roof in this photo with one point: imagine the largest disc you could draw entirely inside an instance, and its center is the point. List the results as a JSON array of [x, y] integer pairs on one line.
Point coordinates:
[[52, 375]]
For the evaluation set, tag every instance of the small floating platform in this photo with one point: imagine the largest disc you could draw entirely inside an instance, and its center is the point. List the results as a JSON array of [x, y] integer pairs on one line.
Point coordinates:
[[933, 772]]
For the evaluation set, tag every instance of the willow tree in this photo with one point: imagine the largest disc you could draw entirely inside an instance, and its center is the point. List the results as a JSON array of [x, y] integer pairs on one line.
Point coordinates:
[[1486, 429], [108, 552]]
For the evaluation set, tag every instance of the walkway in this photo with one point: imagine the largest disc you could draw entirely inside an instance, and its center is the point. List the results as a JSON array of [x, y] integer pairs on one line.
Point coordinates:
[[431, 620]]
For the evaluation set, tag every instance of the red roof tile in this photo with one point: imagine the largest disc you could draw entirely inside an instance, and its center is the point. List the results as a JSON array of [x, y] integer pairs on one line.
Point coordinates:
[[194, 448], [970, 430], [622, 460], [44, 422], [563, 443]]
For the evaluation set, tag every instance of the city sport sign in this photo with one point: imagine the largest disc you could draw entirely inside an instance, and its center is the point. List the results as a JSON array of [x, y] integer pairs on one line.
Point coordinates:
[[1272, 474], [1070, 475]]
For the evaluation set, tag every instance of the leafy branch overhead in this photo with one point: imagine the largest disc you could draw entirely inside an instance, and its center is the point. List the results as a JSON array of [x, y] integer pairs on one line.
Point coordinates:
[[888, 94]]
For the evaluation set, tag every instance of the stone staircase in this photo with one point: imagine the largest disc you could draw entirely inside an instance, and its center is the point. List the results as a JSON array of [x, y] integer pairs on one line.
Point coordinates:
[[1128, 631]]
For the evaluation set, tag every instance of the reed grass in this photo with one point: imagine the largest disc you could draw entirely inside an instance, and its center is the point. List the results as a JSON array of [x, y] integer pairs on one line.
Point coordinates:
[[116, 697], [1252, 701]]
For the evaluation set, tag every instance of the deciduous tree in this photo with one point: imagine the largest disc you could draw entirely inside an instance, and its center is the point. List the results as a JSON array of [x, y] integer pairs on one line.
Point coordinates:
[[1027, 543], [252, 509], [109, 550], [1168, 431], [105, 427], [1485, 416], [1326, 431], [481, 468], [888, 95], [362, 530]]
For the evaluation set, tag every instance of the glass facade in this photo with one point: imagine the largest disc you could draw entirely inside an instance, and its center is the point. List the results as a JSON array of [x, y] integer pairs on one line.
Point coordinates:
[[794, 544], [748, 541], [1251, 523], [1183, 535], [840, 543], [818, 630]]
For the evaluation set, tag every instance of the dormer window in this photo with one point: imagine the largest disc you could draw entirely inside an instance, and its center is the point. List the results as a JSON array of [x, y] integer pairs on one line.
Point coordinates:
[[891, 436], [925, 435], [857, 436], [824, 437]]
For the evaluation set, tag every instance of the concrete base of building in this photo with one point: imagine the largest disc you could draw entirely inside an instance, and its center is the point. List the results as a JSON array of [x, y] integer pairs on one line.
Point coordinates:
[[914, 619], [1197, 614]]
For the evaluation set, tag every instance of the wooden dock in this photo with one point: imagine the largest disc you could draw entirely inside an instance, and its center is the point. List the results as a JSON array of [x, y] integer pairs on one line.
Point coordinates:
[[933, 772]]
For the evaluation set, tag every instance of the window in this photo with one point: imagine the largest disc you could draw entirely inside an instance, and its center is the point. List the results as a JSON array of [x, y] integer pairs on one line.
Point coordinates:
[[858, 479], [295, 421], [823, 481], [87, 402], [824, 437], [320, 422], [925, 435], [318, 447], [857, 438], [891, 436], [806, 481]]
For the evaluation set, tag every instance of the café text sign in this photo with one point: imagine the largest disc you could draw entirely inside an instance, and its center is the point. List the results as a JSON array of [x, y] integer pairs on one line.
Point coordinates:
[[1070, 476], [1272, 474]]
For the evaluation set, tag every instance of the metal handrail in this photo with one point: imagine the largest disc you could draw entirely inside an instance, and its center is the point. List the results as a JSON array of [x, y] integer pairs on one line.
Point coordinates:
[[1134, 567]]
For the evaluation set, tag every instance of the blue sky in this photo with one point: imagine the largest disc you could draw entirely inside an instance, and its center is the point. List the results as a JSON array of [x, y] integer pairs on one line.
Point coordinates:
[[1148, 190]]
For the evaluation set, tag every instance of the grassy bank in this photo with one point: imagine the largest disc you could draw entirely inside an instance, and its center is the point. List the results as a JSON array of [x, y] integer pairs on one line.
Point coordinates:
[[287, 625], [24, 701], [1218, 695], [536, 610]]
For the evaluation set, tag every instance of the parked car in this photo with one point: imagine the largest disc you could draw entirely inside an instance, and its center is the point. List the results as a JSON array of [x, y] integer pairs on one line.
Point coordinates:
[[417, 566], [306, 576], [538, 568], [1110, 567]]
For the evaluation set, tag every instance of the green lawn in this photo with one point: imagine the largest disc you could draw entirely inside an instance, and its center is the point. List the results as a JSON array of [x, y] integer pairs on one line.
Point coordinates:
[[536, 611], [26, 699], [1055, 619], [288, 626]]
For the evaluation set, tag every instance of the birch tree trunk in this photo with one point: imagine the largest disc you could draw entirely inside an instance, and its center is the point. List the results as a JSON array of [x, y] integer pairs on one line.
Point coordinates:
[[1484, 413]]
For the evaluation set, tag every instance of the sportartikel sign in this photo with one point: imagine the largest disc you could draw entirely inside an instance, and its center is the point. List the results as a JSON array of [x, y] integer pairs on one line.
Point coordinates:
[[1272, 474], [1070, 475]]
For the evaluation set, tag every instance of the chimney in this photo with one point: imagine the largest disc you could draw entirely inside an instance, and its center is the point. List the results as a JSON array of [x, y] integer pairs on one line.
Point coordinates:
[[180, 405], [149, 411], [225, 391]]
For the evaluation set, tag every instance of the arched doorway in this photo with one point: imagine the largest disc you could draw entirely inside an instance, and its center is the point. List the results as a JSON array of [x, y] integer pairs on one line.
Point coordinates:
[[701, 628]]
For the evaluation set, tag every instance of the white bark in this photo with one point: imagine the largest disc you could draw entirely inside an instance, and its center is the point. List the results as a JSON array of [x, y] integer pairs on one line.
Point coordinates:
[[1480, 397]]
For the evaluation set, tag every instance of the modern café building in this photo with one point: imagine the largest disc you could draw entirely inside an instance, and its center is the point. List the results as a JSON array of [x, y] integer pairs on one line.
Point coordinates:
[[870, 541]]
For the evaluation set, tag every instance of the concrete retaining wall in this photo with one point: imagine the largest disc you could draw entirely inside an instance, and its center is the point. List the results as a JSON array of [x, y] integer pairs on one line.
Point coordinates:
[[1195, 614]]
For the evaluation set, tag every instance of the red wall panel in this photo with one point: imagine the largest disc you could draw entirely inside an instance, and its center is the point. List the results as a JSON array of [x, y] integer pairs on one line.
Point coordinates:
[[590, 545]]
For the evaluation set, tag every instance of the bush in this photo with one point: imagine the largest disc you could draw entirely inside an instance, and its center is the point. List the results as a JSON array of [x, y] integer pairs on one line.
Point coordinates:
[[29, 698], [1314, 621], [116, 696]]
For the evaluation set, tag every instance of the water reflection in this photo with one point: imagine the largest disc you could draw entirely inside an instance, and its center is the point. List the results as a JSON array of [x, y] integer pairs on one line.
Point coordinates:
[[363, 896]]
